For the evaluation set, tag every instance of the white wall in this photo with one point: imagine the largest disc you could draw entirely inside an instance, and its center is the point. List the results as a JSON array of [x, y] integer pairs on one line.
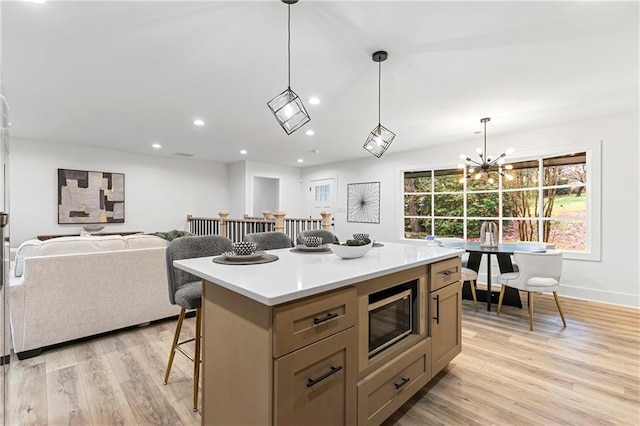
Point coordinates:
[[237, 190], [612, 279], [159, 191]]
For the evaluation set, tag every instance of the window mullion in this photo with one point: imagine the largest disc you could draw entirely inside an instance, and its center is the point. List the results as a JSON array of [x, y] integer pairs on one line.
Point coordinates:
[[540, 218]]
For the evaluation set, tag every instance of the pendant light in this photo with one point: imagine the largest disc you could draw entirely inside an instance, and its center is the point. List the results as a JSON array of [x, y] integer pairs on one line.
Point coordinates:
[[480, 170], [287, 107], [380, 137]]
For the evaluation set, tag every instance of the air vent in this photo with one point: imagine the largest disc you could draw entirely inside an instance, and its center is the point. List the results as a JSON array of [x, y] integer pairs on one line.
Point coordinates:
[[183, 154]]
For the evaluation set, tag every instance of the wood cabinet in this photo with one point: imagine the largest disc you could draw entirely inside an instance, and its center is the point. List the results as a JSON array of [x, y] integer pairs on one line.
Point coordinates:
[[301, 323], [445, 312], [315, 382], [385, 390], [292, 364], [316, 385], [306, 362]]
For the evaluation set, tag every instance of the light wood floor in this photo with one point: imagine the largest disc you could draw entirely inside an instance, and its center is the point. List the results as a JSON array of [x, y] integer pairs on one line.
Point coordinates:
[[585, 374]]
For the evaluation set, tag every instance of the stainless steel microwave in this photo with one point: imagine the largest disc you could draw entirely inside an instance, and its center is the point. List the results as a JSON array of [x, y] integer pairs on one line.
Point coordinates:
[[390, 317]]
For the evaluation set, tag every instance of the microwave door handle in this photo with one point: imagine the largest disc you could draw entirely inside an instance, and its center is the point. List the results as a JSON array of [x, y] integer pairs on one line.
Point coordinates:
[[437, 317]]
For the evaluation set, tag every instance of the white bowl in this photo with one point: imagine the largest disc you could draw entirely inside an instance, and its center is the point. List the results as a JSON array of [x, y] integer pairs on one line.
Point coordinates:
[[350, 252]]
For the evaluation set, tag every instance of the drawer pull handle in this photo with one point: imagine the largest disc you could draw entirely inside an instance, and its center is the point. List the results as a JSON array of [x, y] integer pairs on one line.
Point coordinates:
[[403, 382], [437, 317], [447, 273], [334, 370], [327, 317]]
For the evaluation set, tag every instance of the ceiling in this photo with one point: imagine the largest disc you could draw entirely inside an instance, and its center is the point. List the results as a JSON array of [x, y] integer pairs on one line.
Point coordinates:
[[123, 75]]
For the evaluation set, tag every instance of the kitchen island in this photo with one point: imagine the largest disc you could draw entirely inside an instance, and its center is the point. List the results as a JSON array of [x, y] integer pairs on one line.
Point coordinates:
[[288, 342]]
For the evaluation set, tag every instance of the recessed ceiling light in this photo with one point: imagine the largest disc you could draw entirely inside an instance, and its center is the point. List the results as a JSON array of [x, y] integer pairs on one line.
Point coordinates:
[[198, 122], [156, 146], [300, 160], [243, 151], [314, 100], [309, 132]]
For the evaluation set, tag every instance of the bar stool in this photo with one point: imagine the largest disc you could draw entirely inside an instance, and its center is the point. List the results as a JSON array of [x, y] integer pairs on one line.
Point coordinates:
[[328, 237], [185, 290]]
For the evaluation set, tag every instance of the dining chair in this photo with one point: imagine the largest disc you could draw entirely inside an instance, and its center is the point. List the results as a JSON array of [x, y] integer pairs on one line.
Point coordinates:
[[327, 236], [471, 276], [185, 290], [454, 242], [529, 244], [539, 272], [269, 240]]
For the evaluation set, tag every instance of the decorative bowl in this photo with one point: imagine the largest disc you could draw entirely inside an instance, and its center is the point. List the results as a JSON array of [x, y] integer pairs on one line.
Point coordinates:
[[360, 236], [93, 227], [312, 241], [350, 252], [244, 248]]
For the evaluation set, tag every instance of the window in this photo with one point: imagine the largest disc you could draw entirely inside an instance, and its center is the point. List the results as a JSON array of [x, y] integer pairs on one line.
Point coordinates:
[[323, 193], [548, 200]]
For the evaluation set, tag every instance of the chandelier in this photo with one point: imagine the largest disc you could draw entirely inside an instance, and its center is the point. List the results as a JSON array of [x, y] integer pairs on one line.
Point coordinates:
[[480, 170]]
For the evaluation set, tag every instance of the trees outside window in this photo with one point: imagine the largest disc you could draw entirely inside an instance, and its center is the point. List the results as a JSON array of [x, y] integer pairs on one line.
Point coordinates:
[[546, 201]]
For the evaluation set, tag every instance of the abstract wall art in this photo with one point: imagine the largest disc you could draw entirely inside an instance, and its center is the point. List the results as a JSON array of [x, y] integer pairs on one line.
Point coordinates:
[[90, 197], [363, 202]]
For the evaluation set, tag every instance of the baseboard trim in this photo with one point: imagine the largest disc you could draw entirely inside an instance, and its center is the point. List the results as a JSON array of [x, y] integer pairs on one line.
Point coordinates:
[[595, 295], [583, 293]]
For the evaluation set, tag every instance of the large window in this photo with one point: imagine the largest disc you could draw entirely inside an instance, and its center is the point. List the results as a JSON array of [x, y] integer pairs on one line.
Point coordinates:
[[546, 201]]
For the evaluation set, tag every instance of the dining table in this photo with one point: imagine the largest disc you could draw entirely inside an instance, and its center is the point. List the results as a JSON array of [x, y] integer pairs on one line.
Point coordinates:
[[503, 253]]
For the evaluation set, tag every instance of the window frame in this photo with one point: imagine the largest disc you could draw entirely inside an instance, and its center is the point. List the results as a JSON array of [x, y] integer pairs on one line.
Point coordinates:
[[593, 222]]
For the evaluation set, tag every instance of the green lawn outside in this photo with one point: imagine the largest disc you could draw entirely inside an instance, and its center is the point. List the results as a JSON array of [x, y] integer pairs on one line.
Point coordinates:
[[565, 205]]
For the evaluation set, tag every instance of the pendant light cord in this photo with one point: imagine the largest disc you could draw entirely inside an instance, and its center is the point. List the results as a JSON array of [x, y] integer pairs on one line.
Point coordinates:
[[379, 79], [289, 45]]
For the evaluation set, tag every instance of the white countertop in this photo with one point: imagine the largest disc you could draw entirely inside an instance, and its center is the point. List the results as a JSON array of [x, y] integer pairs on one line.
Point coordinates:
[[297, 275]]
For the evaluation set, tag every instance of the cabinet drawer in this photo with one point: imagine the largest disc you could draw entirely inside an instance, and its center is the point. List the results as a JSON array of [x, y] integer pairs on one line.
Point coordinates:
[[385, 390], [301, 323], [316, 385], [444, 273]]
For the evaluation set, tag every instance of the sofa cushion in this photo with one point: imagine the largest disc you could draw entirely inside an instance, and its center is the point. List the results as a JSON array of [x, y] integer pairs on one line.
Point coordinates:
[[142, 241], [66, 245]]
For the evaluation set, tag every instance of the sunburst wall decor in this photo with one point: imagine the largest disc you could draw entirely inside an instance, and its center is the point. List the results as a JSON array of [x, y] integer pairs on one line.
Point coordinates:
[[363, 202]]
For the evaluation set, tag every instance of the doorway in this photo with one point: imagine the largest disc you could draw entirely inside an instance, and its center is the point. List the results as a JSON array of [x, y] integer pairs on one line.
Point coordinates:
[[266, 195]]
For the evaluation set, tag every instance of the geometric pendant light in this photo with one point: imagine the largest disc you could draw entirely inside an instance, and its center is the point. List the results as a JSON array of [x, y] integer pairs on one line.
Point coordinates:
[[380, 137], [287, 107]]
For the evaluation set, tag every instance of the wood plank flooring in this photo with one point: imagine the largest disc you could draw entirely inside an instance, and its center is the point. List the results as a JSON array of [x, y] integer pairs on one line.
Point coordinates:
[[585, 374]]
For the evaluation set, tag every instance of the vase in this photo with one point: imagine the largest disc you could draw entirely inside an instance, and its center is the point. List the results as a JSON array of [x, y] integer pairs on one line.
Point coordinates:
[[489, 234]]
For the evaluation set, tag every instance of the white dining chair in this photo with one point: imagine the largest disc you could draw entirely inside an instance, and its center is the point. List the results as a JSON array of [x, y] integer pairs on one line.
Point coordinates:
[[471, 276], [530, 244], [539, 272], [454, 242]]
